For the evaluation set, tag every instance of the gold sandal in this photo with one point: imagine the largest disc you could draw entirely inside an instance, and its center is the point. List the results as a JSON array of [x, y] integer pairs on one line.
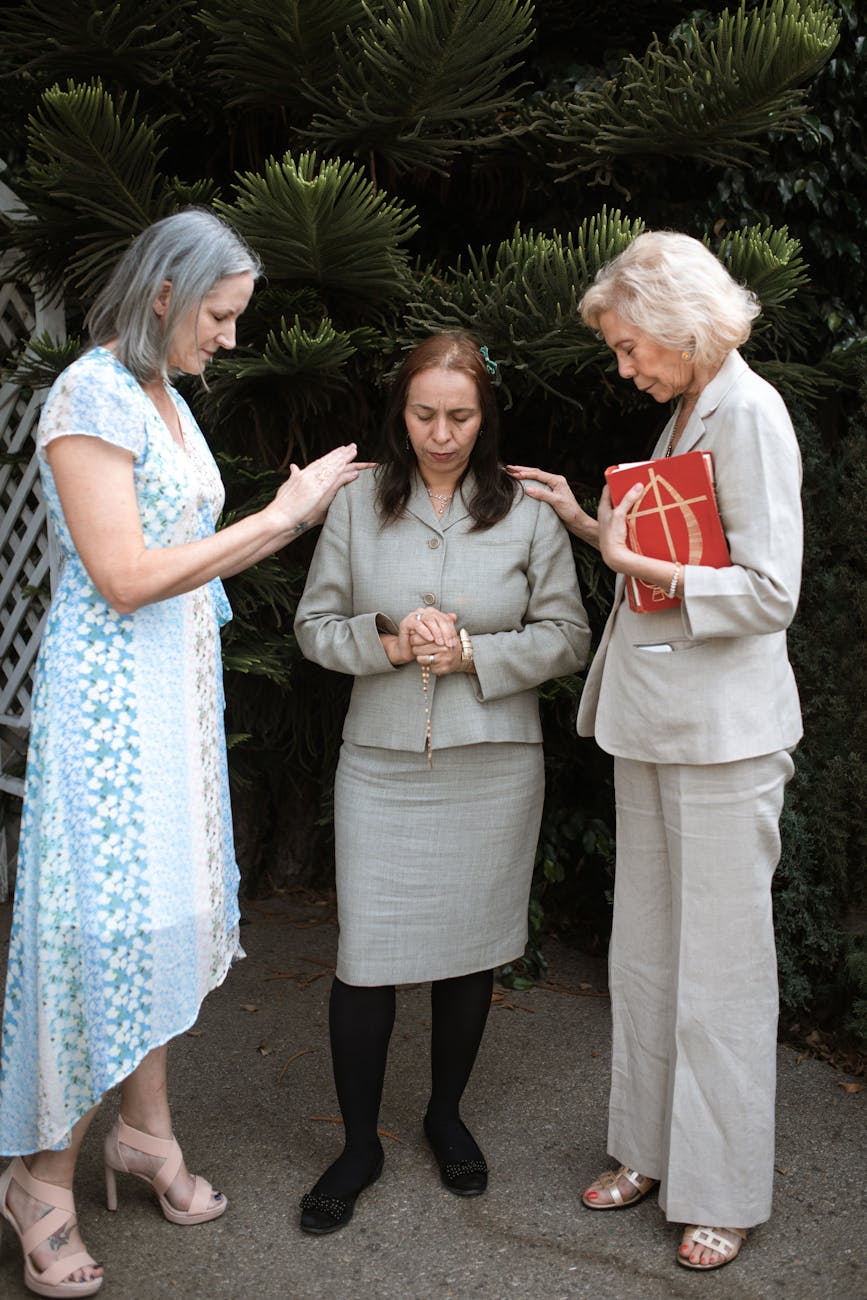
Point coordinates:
[[608, 1181], [722, 1241]]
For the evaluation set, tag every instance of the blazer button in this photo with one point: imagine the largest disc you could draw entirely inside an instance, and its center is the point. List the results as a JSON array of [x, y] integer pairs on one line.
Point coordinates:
[[429, 598], [434, 543]]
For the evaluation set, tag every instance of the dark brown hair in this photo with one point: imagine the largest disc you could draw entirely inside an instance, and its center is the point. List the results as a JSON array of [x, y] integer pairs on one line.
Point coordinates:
[[494, 489]]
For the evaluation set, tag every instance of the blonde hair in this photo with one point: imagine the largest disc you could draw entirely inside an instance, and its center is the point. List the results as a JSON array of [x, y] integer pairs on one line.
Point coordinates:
[[673, 288]]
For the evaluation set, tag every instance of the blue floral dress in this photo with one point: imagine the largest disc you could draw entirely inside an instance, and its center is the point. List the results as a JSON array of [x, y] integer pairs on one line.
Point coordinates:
[[126, 907]]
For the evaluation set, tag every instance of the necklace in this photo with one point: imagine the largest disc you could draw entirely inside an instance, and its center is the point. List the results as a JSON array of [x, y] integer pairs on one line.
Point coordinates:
[[439, 499], [674, 436]]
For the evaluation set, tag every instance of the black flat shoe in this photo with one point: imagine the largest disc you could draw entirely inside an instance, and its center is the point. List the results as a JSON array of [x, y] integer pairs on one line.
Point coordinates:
[[463, 1177], [322, 1214]]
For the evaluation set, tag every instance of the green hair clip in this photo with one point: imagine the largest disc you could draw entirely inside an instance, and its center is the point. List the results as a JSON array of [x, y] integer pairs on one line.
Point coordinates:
[[490, 365]]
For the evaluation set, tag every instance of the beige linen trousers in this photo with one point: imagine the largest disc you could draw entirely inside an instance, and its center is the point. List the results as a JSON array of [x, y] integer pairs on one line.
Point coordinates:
[[694, 983]]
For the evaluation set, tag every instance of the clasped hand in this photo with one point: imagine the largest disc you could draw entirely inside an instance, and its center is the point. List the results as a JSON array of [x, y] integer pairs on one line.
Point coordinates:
[[429, 637]]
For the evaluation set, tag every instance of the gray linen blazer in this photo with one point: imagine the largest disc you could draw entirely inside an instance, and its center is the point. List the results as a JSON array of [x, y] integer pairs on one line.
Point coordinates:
[[725, 690], [512, 586]]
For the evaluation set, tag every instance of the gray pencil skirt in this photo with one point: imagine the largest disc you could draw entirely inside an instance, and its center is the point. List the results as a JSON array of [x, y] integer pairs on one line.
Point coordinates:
[[434, 863]]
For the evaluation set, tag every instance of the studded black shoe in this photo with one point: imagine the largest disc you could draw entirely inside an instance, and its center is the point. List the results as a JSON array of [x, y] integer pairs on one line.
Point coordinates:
[[321, 1214], [463, 1177]]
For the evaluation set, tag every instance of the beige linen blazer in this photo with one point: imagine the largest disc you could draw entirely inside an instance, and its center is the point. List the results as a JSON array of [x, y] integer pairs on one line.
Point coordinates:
[[725, 689], [512, 586]]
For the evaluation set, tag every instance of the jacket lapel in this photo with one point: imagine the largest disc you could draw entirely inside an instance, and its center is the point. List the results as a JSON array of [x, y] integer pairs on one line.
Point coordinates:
[[458, 509], [421, 507], [709, 399]]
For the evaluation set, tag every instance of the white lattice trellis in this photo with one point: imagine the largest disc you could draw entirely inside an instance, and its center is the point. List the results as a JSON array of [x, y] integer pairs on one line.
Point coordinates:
[[28, 562]]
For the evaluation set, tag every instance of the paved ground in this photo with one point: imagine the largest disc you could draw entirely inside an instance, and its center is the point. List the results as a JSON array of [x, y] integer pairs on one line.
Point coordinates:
[[254, 1109]]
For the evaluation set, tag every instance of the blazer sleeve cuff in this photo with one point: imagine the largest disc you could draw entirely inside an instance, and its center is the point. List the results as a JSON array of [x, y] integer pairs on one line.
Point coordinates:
[[386, 624], [366, 629]]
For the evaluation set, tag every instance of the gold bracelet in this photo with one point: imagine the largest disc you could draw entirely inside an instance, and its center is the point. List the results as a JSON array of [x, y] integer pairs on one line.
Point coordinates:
[[466, 651]]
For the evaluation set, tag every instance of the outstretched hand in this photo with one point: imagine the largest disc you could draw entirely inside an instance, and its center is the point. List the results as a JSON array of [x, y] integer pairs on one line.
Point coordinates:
[[304, 498]]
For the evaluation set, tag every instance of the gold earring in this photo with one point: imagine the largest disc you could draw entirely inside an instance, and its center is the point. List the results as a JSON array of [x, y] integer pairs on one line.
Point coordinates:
[[685, 356]]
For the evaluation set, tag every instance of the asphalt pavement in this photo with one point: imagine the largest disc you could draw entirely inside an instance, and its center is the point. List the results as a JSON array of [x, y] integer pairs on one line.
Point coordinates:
[[255, 1111]]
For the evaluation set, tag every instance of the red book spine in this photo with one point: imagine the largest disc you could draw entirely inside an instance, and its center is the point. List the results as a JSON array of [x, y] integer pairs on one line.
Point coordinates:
[[675, 518]]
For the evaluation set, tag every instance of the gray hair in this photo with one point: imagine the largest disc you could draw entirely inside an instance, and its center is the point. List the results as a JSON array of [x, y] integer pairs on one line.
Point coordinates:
[[673, 288], [193, 250]]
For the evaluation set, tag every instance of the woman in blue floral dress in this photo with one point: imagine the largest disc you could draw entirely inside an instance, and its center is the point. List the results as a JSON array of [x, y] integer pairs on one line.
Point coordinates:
[[126, 910]]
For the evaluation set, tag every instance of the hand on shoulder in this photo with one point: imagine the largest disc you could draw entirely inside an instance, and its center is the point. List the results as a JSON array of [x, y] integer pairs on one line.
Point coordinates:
[[554, 489], [303, 499]]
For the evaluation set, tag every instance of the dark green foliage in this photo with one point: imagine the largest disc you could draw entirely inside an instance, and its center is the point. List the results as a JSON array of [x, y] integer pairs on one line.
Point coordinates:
[[419, 82], [475, 162], [710, 94], [94, 174], [815, 182], [322, 223], [133, 44], [276, 56], [523, 300], [821, 875]]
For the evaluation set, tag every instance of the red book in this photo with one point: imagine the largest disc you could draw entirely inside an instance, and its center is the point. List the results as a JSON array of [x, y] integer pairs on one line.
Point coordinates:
[[675, 518]]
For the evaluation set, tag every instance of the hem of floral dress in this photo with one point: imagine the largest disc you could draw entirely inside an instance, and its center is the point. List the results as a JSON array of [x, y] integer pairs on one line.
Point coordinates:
[[61, 1143]]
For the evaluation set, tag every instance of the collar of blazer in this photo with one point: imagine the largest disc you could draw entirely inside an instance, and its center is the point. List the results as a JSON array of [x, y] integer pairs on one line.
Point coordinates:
[[421, 507], [708, 400]]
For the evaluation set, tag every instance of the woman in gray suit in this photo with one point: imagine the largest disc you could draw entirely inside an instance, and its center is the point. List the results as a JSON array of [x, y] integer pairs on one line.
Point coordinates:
[[699, 707], [449, 595]]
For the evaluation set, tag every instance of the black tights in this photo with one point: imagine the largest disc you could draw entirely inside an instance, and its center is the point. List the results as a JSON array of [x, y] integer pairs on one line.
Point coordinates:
[[360, 1021]]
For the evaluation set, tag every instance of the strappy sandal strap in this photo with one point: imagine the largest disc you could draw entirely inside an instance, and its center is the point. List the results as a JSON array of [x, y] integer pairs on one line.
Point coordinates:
[[63, 1268], [639, 1181], [725, 1242], [608, 1183], [712, 1239], [42, 1229], [609, 1180], [165, 1149], [60, 1215], [60, 1198], [202, 1196]]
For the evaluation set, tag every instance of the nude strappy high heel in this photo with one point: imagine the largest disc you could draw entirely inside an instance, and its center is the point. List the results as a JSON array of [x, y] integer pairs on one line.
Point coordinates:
[[202, 1207], [51, 1281]]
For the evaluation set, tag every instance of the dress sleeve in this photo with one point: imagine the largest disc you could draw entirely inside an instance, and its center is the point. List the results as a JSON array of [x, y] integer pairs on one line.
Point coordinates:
[[555, 637], [97, 398]]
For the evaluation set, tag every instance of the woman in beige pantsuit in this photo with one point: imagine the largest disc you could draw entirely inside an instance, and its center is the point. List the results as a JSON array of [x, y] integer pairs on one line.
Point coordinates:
[[698, 704], [450, 596]]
